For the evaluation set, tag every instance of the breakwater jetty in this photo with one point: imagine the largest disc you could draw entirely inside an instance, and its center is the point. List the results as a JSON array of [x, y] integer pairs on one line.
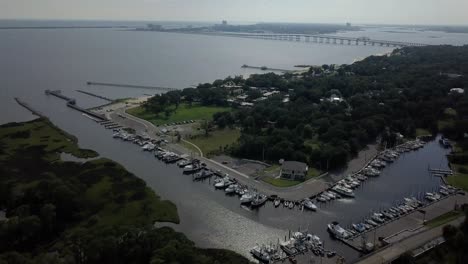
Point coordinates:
[[264, 68], [131, 86], [28, 107], [95, 95], [72, 104]]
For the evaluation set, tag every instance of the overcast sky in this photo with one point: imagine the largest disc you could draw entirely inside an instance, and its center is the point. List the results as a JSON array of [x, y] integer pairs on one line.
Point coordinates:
[[321, 11]]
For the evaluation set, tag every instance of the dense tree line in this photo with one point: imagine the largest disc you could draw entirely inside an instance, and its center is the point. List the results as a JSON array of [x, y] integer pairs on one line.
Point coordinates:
[[382, 95]]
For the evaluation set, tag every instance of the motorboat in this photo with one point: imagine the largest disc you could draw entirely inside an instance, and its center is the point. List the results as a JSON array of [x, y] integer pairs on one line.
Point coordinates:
[[320, 198], [183, 163], [259, 200], [191, 168], [359, 227], [308, 204], [277, 202], [337, 231], [330, 194], [203, 175], [370, 222], [149, 147], [231, 189], [343, 191], [377, 218], [247, 198], [260, 254]]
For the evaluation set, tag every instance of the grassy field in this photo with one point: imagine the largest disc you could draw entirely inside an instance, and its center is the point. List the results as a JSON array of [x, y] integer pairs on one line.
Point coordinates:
[[459, 179], [41, 133], [443, 219], [442, 124], [183, 113], [216, 141], [422, 132]]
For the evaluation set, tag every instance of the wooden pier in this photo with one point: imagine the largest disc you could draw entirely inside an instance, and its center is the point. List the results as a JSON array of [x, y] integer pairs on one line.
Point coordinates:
[[440, 171], [132, 86]]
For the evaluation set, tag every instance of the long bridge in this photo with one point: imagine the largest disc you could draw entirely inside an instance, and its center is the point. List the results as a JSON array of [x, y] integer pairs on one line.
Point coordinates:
[[323, 39]]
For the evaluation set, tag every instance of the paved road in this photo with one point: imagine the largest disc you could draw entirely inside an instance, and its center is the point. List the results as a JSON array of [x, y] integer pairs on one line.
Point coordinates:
[[392, 252]]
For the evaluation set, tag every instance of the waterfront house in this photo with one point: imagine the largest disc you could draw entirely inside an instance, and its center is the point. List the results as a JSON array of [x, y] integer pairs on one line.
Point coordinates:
[[294, 170]]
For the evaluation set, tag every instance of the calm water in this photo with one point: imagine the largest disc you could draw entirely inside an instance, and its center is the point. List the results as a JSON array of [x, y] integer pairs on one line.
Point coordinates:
[[34, 60]]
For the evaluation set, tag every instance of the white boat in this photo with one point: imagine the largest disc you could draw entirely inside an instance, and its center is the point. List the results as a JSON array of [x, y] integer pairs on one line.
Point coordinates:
[[277, 202], [337, 231], [148, 147], [231, 188], [343, 191], [310, 205], [322, 199], [314, 240], [260, 254], [329, 194], [247, 198]]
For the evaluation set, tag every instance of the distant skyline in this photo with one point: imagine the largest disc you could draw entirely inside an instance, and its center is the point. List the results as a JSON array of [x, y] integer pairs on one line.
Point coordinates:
[[413, 12]]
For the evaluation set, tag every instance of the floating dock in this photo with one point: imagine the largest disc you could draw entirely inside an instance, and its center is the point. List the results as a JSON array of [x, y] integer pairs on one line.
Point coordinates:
[[132, 86]]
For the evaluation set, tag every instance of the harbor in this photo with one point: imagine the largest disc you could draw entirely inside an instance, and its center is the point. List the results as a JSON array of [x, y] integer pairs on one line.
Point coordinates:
[[252, 199]]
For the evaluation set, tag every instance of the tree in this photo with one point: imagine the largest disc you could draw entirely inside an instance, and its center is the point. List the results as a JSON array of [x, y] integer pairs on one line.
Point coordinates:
[[206, 126], [48, 217]]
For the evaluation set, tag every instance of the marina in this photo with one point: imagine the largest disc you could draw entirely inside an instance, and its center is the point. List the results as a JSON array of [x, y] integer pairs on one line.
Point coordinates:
[[209, 217]]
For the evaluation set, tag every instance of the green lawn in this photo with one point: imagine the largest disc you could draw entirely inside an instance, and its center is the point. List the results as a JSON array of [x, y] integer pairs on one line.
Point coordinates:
[[216, 141], [450, 112], [443, 219], [183, 113], [441, 124], [279, 182], [459, 179], [422, 132]]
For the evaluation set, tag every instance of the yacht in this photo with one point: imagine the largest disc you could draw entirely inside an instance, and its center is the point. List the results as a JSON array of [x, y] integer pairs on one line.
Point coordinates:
[[191, 168], [343, 191], [337, 231]]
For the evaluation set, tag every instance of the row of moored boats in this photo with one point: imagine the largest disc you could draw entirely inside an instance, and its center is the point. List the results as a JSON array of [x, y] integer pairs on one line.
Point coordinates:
[[376, 219], [298, 243]]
